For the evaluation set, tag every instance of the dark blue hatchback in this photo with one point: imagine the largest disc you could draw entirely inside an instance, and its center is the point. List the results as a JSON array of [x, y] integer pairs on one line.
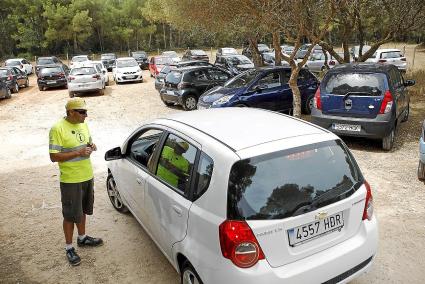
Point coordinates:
[[265, 88]]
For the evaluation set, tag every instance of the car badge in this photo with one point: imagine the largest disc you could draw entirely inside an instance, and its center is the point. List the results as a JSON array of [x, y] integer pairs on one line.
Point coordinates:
[[348, 104], [321, 215]]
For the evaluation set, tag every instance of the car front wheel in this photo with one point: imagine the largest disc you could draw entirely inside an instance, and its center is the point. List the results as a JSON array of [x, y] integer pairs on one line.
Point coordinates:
[[189, 102], [421, 171], [8, 93], [189, 275], [114, 195], [16, 88]]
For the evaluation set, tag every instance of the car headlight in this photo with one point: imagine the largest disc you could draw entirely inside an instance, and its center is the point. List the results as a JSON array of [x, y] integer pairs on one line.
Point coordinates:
[[223, 100]]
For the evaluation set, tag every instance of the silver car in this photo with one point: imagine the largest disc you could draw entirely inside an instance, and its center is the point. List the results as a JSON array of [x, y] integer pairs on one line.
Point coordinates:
[[316, 62], [85, 79]]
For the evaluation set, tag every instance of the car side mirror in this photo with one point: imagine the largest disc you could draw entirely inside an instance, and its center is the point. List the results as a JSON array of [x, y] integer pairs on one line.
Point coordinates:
[[113, 154], [409, 83]]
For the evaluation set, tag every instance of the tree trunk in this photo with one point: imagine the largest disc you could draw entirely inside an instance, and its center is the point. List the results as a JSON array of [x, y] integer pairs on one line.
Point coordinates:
[[296, 94], [150, 41], [277, 48], [170, 42], [75, 43], [256, 56], [165, 37]]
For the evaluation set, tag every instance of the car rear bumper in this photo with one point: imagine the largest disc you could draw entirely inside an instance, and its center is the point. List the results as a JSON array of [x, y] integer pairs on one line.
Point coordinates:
[[159, 85], [422, 150], [338, 264], [375, 128], [129, 78], [85, 87], [53, 83], [171, 96]]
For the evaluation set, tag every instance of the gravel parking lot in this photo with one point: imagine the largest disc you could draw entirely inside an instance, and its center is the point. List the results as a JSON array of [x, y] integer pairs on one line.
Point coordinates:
[[31, 237]]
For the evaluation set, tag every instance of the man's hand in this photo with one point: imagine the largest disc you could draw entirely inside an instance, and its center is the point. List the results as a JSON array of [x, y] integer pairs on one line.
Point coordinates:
[[93, 146], [85, 152]]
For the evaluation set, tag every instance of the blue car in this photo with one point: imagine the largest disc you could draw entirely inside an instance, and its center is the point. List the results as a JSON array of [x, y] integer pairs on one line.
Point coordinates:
[[265, 88], [421, 167]]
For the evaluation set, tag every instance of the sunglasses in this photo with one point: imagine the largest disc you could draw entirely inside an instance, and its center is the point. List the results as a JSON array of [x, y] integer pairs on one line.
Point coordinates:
[[81, 111]]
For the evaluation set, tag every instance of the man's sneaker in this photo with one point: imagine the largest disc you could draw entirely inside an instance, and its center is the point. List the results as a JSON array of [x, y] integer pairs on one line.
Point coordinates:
[[73, 257], [89, 241]]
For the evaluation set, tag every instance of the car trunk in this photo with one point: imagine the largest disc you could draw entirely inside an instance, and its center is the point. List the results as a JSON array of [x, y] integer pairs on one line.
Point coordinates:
[[172, 80], [84, 75], [84, 78], [353, 94]]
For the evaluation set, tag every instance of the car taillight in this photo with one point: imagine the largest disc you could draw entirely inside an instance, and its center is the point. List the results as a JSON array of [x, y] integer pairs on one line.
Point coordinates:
[[368, 208], [317, 103], [332, 62], [387, 103], [239, 244], [10, 77], [403, 59], [71, 78], [382, 60], [22, 66], [97, 76], [62, 75]]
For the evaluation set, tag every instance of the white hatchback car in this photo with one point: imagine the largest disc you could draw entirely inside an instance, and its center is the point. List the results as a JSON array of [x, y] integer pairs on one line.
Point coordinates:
[[21, 63], [389, 56], [241, 195], [126, 69], [78, 61], [85, 79]]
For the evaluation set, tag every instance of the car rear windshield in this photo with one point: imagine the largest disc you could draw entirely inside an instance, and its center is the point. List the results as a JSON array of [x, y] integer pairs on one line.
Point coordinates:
[[83, 71], [174, 77], [108, 56], [13, 63], [242, 79], [391, 54], [127, 63], [360, 83], [198, 52], [139, 54], [45, 61], [80, 59], [291, 182], [51, 70], [239, 60], [163, 60]]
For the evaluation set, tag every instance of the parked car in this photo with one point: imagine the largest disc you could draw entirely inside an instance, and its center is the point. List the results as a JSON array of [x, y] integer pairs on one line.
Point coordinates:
[[355, 51], [265, 87], [127, 69], [85, 79], [48, 61], [363, 99], [52, 76], [141, 58], [183, 86], [226, 206], [287, 49], [101, 69], [316, 62], [5, 92], [234, 63], [262, 48], [108, 60], [21, 63], [225, 51], [389, 56], [173, 55], [421, 167], [78, 61], [14, 78], [195, 54], [157, 63], [159, 79]]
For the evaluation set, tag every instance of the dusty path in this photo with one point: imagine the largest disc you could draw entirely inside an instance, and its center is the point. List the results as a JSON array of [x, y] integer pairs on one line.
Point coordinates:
[[31, 238]]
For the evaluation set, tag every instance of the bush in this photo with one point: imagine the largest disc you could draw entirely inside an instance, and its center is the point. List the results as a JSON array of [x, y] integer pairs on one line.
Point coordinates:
[[26, 55], [419, 77]]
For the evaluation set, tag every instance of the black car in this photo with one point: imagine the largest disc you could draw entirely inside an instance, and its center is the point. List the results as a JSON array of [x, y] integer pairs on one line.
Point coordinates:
[[195, 54], [5, 92], [184, 86], [14, 78], [367, 100], [47, 61], [159, 79], [234, 63], [141, 58], [108, 60], [52, 76]]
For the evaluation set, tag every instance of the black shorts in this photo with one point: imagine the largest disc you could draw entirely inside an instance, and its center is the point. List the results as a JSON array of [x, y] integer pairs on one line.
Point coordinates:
[[77, 199]]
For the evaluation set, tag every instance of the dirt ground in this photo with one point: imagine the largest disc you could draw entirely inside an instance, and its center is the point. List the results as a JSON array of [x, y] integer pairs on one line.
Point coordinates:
[[31, 237]]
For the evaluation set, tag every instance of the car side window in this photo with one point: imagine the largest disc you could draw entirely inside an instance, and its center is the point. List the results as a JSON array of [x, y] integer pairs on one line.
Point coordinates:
[[286, 76], [198, 75], [143, 145], [176, 162], [203, 175], [271, 80], [25, 62], [217, 75]]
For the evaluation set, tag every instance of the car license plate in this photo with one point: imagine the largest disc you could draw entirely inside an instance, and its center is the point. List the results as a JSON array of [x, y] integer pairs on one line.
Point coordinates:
[[51, 82], [170, 93], [313, 230], [346, 127], [130, 77]]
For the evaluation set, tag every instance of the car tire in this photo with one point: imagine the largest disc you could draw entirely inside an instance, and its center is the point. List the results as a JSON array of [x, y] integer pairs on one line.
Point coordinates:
[[114, 195], [27, 83], [71, 94], [189, 275], [406, 114], [41, 88], [16, 88], [388, 141], [308, 105], [101, 92], [8, 93], [189, 102], [421, 171], [107, 83]]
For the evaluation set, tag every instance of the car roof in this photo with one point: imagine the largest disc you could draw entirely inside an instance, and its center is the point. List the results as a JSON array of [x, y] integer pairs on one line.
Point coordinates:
[[245, 127], [108, 54], [362, 67], [387, 50], [125, 58], [14, 59]]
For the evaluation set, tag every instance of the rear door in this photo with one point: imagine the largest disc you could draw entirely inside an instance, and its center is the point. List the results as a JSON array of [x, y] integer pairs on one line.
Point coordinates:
[[353, 94], [217, 77], [398, 91]]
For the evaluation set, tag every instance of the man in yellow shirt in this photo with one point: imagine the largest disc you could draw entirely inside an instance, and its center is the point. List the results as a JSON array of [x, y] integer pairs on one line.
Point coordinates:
[[173, 167], [70, 145]]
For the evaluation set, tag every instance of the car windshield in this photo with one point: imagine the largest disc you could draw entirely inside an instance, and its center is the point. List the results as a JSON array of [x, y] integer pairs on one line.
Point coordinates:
[[83, 71], [242, 79], [51, 70], [163, 60], [127, 63], [108, 56], [45, 61], [79, 59], [139, 54], [391, 54], [170, 53], [174, 77], [13, 63], [229, 51], [344, 83], [3, 72], [239, 60], [166, 69], [198, 52], [291, 182]]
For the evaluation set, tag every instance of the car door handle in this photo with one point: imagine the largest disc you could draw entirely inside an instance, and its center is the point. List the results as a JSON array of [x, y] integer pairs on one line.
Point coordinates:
[[178, 210], [138, 180]]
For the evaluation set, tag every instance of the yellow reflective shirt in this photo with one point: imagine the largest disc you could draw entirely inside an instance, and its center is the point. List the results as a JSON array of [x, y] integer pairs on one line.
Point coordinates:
[[67, 137]]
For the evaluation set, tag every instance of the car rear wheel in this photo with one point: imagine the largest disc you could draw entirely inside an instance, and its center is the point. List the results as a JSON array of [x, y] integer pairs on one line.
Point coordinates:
[[406, 114], [114, 195], [71, 94], [189, 274], [308, 104], [388, 141], [16, 88], [421, 171], [189, 102], [8, 93]]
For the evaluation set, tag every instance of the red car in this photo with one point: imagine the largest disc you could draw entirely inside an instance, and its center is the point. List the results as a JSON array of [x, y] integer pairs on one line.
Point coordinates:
[[157, 62]]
